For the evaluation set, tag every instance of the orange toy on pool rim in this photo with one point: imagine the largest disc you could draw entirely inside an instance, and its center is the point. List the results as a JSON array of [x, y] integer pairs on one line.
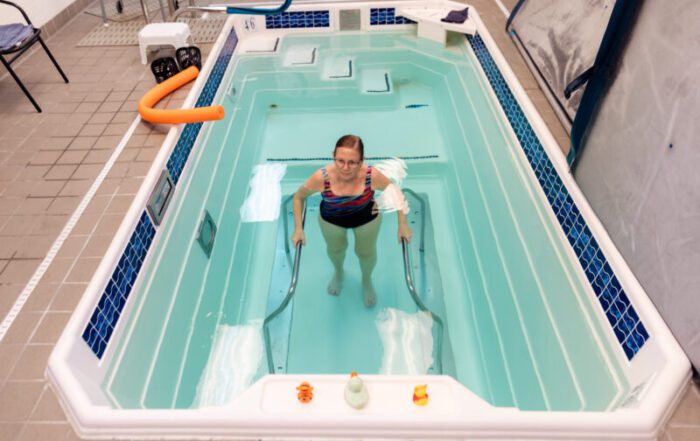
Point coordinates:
[[176, 116]]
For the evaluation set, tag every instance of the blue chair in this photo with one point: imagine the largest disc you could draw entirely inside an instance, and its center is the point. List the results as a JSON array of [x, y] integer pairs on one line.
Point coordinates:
[[16, 39]]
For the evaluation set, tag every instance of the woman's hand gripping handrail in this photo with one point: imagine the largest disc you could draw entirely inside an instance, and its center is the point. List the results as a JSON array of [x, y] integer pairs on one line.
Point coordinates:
[[292, 284], [437, 361]]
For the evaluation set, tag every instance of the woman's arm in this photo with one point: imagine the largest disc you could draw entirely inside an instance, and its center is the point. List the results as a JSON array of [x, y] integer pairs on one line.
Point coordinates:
[[381, 182], [311, 186]]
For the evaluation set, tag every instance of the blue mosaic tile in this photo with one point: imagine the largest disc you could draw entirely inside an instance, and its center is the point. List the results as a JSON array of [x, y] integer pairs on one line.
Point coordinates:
[[298, 19], [623, 319], [386, 16], [105, 316], [184, 145]]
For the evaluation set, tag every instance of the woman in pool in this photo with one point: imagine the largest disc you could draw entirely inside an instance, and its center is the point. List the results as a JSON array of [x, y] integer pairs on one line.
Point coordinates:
[[347, 187]]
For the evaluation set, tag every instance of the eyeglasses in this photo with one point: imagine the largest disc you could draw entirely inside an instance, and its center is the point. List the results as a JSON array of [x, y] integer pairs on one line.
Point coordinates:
[[343, 163]]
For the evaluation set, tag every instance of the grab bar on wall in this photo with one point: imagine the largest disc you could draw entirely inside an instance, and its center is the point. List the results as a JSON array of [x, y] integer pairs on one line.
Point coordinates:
[[437, 347], [260, 11], [292, 284]]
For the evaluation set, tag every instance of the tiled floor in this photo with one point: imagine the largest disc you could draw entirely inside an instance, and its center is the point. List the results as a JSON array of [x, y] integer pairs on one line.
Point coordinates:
[[49, 161]]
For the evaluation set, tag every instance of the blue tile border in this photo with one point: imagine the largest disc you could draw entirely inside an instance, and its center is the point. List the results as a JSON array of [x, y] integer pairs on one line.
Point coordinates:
[[298, 19], [624, 320], [182, 149], [106, 314], [386, 16]]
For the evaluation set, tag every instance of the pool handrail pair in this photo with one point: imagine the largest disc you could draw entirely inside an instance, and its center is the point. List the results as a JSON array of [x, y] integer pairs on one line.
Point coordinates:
[[437, 362]]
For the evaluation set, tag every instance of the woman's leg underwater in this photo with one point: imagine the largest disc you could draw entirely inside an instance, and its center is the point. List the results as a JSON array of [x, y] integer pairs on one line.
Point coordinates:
[[366, 250], [336, 245]]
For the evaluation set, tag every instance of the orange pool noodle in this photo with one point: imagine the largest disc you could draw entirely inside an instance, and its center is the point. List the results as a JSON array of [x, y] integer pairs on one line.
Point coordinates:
[[176, 116]]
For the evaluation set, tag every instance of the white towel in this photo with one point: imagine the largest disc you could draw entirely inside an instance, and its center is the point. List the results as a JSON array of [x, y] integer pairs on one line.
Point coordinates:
[[407, 340], [263, 202], [394, 169], [233, 365]]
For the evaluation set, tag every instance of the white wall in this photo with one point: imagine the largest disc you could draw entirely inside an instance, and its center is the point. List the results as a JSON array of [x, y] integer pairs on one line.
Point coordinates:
[[39, 11]]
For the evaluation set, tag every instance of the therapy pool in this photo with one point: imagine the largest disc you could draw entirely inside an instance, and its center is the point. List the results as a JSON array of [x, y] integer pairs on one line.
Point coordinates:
[[537, 329]]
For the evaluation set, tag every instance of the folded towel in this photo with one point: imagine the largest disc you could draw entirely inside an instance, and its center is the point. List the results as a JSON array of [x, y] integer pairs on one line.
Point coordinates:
[[12, 35], [457, 16]]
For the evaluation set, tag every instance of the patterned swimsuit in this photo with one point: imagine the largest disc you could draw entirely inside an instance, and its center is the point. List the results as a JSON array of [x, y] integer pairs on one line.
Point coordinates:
[[348, 211]]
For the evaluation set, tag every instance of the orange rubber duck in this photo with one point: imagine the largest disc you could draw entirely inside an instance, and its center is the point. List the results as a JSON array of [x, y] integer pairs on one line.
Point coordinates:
[[306, 393], [420, 397]]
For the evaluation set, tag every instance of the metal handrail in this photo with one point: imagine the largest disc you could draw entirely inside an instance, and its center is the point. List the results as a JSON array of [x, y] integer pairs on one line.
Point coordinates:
[[411, 287], [422, 213], [230, 9], [292, 285], [437, 362]]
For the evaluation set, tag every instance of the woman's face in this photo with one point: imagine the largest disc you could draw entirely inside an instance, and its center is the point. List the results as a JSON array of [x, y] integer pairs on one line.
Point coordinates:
[[347, 160]]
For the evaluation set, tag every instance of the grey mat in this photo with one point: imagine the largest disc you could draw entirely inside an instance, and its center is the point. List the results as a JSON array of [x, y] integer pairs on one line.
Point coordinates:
[[126, 33]]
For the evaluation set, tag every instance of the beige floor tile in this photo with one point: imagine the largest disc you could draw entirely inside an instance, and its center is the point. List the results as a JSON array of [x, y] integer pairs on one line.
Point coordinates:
[[87, 171], [34, 206], [56, 143], [61, 172], [72, 246], [41, 297], [47, 157], [130, 185], [77, 187], [44, 431], [119, 204], [83, 143], [51, 224], [97, 246], [17, 400], [33, 172], [10, 431], [683, 433], [19, 271], [45, 189], [57, 271], [107, 142], [83, 270], [64, 205], [31, 363], [72, 157], [98, 204], [19, 225], [9, 354], [688, 412], [68, 296], [87, 222], [48, 408], [108, 224], [50, 328], [35, 247], [109, 187]]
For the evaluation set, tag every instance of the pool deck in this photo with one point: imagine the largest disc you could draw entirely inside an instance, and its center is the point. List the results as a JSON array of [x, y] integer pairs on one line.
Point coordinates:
[[49, 161]]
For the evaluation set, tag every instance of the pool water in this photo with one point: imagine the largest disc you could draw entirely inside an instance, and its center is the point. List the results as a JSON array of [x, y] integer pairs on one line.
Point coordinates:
[[520, 329]]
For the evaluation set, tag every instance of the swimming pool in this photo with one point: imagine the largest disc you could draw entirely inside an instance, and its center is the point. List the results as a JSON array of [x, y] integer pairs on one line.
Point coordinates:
[[525, 347]]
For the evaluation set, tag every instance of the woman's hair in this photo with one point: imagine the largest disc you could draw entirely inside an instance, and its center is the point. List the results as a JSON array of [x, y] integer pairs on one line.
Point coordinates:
[[352, 142]]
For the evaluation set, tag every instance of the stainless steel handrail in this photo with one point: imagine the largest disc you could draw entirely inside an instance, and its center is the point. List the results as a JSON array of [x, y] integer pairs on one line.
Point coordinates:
[[422, 213], [292, 285], [437, 363]]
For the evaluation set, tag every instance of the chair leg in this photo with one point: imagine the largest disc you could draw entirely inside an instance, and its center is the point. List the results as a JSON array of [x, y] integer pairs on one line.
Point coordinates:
[[65, 78], [19, 82]]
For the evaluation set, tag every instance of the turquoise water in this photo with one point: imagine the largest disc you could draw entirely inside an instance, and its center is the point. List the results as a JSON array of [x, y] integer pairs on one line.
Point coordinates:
[[520, 328]]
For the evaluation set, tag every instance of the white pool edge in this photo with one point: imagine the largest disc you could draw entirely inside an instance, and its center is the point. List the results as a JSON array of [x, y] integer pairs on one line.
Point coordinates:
[[93, 418]]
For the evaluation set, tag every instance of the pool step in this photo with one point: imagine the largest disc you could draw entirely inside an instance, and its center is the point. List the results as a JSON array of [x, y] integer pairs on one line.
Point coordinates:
[[338, 68], [375, 81], [297, 56]]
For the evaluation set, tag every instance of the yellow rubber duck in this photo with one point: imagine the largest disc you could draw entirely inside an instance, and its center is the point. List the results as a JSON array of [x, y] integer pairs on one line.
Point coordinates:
[[420, 397]]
